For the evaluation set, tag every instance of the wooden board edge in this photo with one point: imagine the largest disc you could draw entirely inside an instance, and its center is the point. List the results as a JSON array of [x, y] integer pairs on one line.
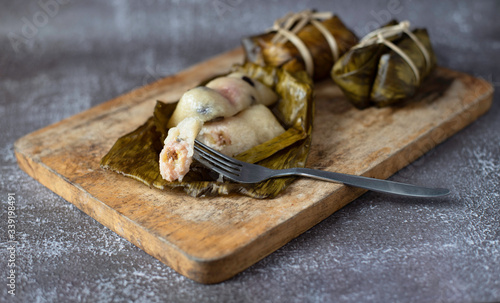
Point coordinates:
[[141, 237], [435, 136], [219, 270]]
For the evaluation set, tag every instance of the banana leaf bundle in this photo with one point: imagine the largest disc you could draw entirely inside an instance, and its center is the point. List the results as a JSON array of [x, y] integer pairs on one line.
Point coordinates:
[[387, 66], [317, 41], [136, 154]]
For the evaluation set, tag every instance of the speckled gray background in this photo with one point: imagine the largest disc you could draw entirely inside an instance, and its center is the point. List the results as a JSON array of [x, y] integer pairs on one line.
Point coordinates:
[[379, 248]]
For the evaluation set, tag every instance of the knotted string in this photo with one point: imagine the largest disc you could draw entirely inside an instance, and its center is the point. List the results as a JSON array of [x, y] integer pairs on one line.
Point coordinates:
[[379, 36], [287, 28]]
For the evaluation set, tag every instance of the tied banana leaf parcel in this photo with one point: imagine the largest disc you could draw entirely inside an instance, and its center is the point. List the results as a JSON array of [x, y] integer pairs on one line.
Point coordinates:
[[376, 75], [136, 154], [261, 50]]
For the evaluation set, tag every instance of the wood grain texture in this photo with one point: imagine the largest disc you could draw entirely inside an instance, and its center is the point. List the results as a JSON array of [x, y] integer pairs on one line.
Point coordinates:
[[211, 239]]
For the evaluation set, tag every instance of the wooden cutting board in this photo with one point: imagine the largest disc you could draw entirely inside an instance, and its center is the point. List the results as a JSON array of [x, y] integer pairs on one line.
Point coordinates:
[[212, 239]]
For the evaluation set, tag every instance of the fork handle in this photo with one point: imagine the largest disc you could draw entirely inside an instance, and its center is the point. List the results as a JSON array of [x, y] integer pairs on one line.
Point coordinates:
[[379, 185]]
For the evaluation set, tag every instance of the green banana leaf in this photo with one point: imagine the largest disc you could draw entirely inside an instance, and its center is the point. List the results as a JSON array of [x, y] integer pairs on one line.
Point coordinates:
[[355, 72], [395, 80], [136, 154], [376, 75]]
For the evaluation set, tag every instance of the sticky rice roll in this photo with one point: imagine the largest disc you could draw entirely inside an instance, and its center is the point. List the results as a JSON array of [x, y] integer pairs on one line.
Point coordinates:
[[247, 129], [239, 93], [266, 95], [203, 103]]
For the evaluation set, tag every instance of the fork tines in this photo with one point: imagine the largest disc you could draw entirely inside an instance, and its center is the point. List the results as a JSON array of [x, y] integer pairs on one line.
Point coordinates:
[[215, 160]]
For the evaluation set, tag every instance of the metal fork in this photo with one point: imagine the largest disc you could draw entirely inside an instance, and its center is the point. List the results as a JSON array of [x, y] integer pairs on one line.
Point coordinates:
[[243, 172]]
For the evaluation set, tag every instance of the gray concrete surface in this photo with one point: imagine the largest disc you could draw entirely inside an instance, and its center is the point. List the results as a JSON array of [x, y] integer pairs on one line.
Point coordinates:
[[58, 60]]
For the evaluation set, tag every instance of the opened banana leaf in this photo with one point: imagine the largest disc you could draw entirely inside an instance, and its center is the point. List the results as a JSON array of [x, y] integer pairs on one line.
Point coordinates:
[[260, 49], [136, 154], [377, 75]]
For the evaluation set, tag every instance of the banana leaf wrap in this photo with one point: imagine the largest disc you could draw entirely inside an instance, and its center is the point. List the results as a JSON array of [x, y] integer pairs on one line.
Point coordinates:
[[136, 154], [395, 79], [377, 75], [259, 49]]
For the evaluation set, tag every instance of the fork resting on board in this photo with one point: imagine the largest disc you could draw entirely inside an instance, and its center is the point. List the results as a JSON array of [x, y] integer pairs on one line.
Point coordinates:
[[243, 172]]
